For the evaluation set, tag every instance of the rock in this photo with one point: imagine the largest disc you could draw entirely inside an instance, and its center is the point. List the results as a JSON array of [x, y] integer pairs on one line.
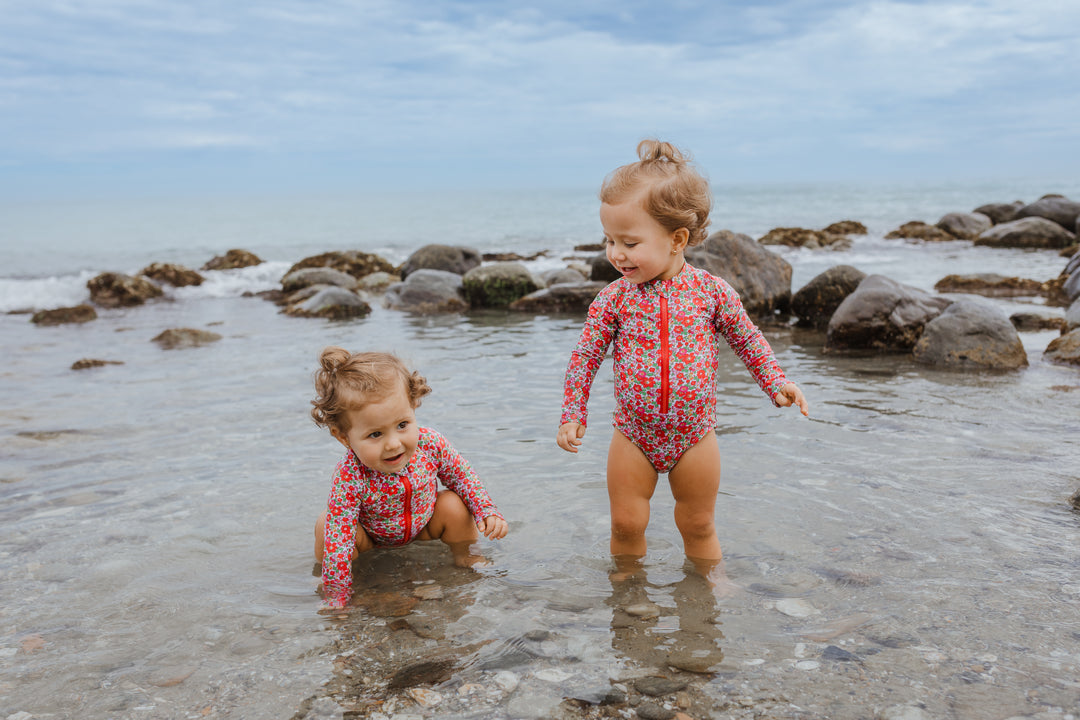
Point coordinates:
[[1074, 500], [918, 230], [427, 672], [1064, 350], [1073, 265], [882, 315], [1072, 316], [1000, 212], [232, 260], [506, 680], [601, 269], [112, 290], [652, 711], [512, 256], [643, 610], [802, 237], [447, 258], [1029, 232], [761, 277], [352, 262], [65, 315], [1057, 209], [330, 302], [427, 291], [656, 686], [904, 712], [589, 247], [562, 275], [965, 226], [989, 285], [177, 338], [695, 661], [306, 277], [170, 274], [1033, 321], [816, 301], [424, 697], [796, 607], [564, 297], [378, 282], [847, 227], [971, 333], [1071, 287], [498, 284], [87, 363]]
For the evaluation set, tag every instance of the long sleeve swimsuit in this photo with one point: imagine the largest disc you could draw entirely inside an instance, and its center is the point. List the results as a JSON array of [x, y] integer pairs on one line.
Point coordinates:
[[666, 359], [392, 508]]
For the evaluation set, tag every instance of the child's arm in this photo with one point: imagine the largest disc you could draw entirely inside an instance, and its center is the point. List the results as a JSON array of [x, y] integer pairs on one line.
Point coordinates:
[[340, 540], [790, 395], [455, 473], [596, 335]]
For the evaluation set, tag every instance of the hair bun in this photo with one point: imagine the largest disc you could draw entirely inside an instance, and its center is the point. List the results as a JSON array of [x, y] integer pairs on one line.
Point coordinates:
[[333, 358], [653, 150]]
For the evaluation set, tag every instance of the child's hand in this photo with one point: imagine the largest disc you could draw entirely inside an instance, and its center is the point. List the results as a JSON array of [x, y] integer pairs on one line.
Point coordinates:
[[570, 435], [495, 528], [789, 395]]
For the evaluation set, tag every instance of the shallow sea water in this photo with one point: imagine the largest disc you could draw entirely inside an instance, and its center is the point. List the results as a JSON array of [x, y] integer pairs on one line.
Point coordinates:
[[907, 549]]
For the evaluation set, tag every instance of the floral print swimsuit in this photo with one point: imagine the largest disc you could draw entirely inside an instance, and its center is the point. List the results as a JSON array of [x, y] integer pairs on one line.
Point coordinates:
[[665, 359], [392, 508]]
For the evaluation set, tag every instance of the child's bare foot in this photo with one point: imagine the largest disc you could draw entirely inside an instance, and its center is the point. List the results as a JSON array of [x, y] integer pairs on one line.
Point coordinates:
[[713, 572], [626, 567], [465, 558]]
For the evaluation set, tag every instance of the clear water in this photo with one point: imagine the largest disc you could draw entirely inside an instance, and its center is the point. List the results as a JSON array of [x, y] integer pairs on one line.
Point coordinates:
[[155, 523]]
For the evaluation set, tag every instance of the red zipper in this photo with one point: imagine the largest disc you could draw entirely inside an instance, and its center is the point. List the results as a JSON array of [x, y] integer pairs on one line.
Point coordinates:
[[665, 352], [408, 507]]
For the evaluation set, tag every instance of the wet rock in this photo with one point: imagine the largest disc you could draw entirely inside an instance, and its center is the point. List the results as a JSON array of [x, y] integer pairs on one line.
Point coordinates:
[[904, 712], [377, 282], [387, 604], [882, 315], [112, 290], [918, 230], [761, 277], [424, 698], [1035, 321], [965, 226], [306, 277], [815, 302], [838, 654], [1064, 350], [512, 256], [846, 227], [497, 285], [562, 275], [601, 269], [989, 285], [177, 338], [971, 333], [506, 680], [1000, 212], [796, 607], [445, 258], [428, 672], [1071, 287], [695, 661], [642, 610], [805, 238], [352, 262], [64, 315], [1074, 500], [1029, 232], [1057, 209], [428, 592], [232, 260], [427, 291], [532, 705], [332, 303], [170, 274], [87, 363], [657, 686], [652, 711], [1072, 316], [564, 297]]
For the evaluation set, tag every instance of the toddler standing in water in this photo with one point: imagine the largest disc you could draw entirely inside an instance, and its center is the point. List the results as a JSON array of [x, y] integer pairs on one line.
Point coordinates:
[[663, 316], [385, 490]]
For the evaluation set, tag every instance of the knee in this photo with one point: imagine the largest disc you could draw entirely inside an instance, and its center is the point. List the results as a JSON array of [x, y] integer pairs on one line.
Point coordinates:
[[628, 526], [696, 526]]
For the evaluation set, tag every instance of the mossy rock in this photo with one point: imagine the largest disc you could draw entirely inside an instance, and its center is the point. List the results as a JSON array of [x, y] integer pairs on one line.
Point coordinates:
[[497, 285]]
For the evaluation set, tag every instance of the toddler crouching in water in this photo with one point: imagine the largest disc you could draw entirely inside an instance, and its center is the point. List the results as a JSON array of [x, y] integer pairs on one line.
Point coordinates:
[[385, 490]]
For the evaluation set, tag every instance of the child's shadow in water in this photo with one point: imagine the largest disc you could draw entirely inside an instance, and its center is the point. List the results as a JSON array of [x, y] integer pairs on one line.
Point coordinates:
[[654, 634]]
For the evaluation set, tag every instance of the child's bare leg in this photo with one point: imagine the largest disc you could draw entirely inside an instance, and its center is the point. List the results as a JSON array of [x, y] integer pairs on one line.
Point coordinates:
[[631, 481], [452, 523], [363, 541]]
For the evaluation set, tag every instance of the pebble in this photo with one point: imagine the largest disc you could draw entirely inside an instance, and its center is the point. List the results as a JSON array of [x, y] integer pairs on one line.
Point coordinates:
[[807, 665], [652, 711], [506, 680], [657, 686], [796, 607], [428, 592], [424, 697], [904, 712], [643, 610], [553, 675]]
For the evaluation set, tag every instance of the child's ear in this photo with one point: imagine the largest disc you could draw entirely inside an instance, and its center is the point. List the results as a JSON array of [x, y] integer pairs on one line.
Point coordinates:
[[679, 239], [340, 437]]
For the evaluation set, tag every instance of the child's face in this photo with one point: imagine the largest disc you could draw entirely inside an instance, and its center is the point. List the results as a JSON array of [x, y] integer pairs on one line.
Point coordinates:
[[639, 247], [383, 434]]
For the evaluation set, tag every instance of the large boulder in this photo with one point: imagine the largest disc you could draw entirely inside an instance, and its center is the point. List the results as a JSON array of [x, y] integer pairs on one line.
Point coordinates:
[[65, 315], [882, 315], [447, 258], [918, 230], [1072, 316], [498, 284], [378, 282], [427, 291], [170, 274], [232, 260], [805, 238], [990, 285], [816, 301], [176, 338], [1000, 212], [601, 269], [306, 277], [1055, 208], [355, 263], [331, 302], [112, 290], [847, 227], [965, 226], [1064, 350], [761, 277], [971, 333], [560, 298], [1029, 232], [562, 275], [1071, 287]]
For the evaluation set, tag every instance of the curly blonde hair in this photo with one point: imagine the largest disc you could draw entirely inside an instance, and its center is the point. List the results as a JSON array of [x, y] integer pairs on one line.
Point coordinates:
[[347, 381], [676, 194]]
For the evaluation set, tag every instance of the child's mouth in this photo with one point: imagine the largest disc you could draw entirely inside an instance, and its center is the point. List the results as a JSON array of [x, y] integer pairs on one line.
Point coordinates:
[[394, 460]]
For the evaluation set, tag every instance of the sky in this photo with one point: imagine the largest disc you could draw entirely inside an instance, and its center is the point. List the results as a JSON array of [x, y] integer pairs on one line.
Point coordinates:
[[143, 96]]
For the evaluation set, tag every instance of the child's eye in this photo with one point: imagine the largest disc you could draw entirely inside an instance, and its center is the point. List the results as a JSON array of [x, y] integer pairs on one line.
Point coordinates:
[[375, 434], [403, 424]]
